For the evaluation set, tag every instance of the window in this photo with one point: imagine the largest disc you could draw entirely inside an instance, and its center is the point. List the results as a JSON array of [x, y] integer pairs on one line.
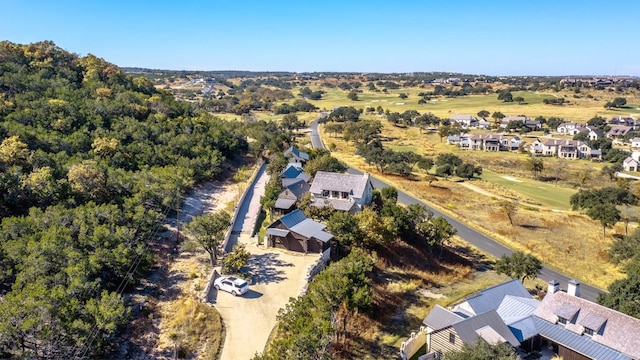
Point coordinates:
[[345, 195], [335, 194], [325, 193], [588, 332], [452, 338], [562, 320]]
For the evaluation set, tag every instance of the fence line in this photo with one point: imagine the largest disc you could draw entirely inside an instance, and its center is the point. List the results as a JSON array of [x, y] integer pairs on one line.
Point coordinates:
[[411, 346]]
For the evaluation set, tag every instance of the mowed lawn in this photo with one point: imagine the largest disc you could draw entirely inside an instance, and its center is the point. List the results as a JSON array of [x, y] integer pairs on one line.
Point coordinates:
[[546, 194]]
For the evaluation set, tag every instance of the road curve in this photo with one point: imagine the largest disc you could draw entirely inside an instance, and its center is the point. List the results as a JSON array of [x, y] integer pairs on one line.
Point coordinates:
[[469, 234]]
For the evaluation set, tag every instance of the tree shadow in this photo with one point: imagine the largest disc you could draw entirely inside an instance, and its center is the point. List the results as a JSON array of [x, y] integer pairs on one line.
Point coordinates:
[[263, 269], [532, 227]]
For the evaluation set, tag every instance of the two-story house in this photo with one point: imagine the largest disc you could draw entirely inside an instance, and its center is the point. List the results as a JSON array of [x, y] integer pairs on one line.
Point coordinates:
[[344, 192]]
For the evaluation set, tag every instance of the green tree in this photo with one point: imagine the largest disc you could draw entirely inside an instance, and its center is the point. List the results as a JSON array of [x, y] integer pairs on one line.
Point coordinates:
[[13, 151], [209, 231], [535, 165], [483, 114], [324, 163], [519, 266], [607, 214], [467, 171], [344, 227], [505, 96], [344, 288], [624, 295], [497, 117], [352, 95], [291, 122], [403, 96], [436, 231], [235, 260]]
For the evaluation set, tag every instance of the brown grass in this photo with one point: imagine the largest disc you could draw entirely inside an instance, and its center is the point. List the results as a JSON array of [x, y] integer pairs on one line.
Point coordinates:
[[569, 242]]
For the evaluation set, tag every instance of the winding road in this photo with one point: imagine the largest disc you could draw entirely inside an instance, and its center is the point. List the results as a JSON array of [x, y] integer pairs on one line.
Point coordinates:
[[469, 234]]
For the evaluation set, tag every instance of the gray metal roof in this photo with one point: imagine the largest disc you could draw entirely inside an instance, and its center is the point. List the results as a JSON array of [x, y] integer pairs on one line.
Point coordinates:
[[490, 299], [337, 204], [284, 203], [578, 343], [440, 318], [296, 221], [299, 188], [620, 331], [524, 329], [287, 181], [467, 328], [355, 185], [294, 150], [514, 308], [277, 232]]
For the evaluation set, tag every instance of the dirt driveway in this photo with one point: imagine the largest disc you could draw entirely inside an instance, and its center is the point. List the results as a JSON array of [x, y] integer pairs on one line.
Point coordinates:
[[249, 319]]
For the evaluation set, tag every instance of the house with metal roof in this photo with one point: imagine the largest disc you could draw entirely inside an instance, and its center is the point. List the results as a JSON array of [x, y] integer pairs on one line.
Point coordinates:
[[292, 171], [495, 315], [296, 232], [287, 199], [577, 328], [295, 155], [344, 192]]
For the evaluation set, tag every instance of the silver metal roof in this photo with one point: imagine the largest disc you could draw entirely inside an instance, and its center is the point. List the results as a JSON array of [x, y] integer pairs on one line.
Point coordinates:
[[284, 203], [578, 343], [490, 299], [355, 185], [467, 328], [277, 232], [440, 318]]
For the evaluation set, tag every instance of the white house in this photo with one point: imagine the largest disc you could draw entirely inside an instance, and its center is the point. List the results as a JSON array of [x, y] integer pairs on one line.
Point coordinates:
[[345, 192]]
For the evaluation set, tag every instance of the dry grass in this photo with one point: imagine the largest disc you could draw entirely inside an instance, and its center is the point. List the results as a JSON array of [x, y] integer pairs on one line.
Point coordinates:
[[569, 242], [195, 327]]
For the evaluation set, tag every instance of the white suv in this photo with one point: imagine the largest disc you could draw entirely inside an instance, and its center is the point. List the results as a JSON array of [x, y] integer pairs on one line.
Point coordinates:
[[231, 284]]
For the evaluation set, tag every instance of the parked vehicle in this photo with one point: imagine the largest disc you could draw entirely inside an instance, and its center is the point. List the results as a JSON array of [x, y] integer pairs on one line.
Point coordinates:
[[231, 284]]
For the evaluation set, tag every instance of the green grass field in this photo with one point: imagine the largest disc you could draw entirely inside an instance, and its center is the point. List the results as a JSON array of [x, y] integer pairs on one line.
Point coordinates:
[[580, 109], [545, 193]]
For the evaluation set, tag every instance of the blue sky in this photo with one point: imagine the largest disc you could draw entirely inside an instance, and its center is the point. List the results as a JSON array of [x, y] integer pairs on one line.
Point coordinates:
[[498, 37]]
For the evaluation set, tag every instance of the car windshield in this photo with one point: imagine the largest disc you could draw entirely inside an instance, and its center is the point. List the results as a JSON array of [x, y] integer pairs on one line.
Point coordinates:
[[241, 284]]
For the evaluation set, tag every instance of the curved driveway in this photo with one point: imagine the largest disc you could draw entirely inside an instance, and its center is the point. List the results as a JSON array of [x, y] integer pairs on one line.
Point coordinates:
[[469, 234]]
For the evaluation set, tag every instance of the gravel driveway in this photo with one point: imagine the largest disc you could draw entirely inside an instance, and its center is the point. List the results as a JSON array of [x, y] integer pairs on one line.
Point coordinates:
[[249, 319]]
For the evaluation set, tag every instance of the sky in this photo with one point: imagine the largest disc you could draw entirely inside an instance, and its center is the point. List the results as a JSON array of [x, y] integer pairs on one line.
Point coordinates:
[[561, 37]]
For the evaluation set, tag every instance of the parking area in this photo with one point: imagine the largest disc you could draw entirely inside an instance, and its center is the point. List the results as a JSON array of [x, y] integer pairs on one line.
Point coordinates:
[[275, 277]]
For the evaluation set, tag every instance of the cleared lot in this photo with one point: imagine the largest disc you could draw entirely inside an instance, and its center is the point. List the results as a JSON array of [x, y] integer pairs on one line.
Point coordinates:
[[249, 319]]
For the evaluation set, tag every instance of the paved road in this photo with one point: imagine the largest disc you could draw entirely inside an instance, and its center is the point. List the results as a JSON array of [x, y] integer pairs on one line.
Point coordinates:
[[470, 235]]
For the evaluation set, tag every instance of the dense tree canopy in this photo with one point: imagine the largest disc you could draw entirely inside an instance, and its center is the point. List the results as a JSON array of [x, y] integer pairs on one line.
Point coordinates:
[[91, 161]]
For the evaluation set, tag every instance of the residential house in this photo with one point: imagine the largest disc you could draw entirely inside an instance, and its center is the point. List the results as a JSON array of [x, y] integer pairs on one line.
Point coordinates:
[[296, 232], [576, 328], [531, 124], [594, 133], [569, 128], [632, 163], [464, 120], [293, 172], [484, 124], [618, 131], [488, 142], [626, 121], [344, 192], [572, 327], [635, 142], [537, 147], [291, 194], [494, 315], [570, 149], [296, 156]]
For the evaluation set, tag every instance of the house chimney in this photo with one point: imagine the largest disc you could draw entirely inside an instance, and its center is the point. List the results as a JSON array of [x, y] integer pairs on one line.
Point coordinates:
[[573, 288], [554, 287]]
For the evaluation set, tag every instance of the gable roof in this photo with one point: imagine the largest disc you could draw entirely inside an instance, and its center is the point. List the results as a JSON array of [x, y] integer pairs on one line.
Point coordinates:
[[491, 298], [616, 330], [470, 329], [294, 150], [296, 221], [440, 318], [355, 185], [461, 117], [291, 172]]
